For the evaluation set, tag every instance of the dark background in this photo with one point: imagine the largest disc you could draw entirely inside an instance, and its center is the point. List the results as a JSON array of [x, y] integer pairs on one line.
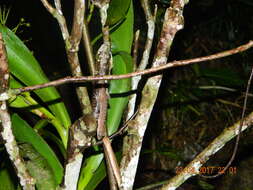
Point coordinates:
[[185, 118]]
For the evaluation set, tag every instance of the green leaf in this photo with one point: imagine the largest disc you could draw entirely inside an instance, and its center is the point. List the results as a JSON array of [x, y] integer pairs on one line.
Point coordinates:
[[24, 133], [88, 169], [98, 176], [122, 37], [20, 101], [25, 67], [25, 100], [6, 181], [117, 11], [38, 167], [122, 63]]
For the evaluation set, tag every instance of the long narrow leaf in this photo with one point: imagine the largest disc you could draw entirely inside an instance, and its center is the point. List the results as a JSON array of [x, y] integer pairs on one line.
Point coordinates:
[[6, 180], [38, 167], [117, 11], [122, 63], [24, 133], [26, 101], [87, 172], [122, 37], [25, 67]]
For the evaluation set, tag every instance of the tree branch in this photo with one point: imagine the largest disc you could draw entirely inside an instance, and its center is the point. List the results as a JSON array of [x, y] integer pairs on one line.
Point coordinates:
[[74, 161], [145, 57], [26, 181], [12, 92], [104, 62], [72, 44], [173, 22], [210, 150]]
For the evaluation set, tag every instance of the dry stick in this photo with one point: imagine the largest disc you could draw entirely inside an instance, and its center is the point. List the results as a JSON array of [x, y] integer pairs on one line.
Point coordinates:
[[72, 44], [150, 19], [69, 79], [83, 130], [112, 162], [104, 60], [112, 179], [88, 48], [238, 136], [78, 129], [26, 181], [173, 22], [72, 53], [223, 88], [178, 180], [217, 144]]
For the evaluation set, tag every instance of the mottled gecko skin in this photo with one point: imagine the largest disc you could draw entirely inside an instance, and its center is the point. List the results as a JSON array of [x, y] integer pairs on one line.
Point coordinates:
[[103, 102], [82, 134]]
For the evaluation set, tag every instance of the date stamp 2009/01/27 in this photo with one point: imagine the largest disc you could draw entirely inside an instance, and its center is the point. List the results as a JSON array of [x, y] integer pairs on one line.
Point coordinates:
[[206, 170]]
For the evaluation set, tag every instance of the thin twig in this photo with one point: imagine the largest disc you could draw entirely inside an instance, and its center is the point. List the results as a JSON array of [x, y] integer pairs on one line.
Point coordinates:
[[57, 13], [217, 144], [173, 22], [129, 75], [87, 44], [119, 132], [110, 156], [72, 43], [49, 7], [105, 62], [88, 49], [150, 19], [91, 9], [239, 131], [223, 88], [12, 92], [74, 161]]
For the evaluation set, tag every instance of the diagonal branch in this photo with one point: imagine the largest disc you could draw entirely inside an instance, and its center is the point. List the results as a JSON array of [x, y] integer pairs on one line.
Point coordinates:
[[12, 92], [195, 165], [173, 22], [26, 181]]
